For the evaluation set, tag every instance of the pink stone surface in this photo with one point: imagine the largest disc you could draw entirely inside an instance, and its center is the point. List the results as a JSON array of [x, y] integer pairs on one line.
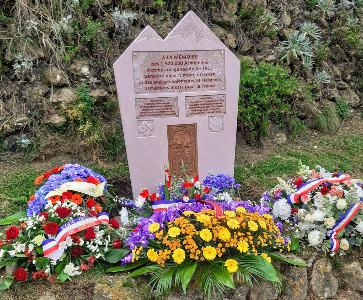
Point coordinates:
[[146, 138]]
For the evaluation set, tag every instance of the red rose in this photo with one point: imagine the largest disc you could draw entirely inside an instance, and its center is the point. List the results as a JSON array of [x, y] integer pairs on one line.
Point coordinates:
[[63, 212], [294, 211], [21, 274], [45, 214], [91, 203], [12, 233], [89, 234], [51, 228], [76, 250], [117, 244], [324, 190], [114, 224], [145, 194], [298, 182]]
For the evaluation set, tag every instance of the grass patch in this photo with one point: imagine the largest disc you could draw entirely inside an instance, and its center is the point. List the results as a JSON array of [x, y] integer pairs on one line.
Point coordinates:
[[15, 191], [120, 169]]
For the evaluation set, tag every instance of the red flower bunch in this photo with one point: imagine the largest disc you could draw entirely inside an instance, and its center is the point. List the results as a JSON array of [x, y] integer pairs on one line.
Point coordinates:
[[76, 250], [46, 175], [89, 234], [91, 203], [51, 228], [298, 182], [45, 214], [117, 244], [39, 274], [63, 212], [190, 184], [93, 180], [12, 233], [324, 190], [21, 274]]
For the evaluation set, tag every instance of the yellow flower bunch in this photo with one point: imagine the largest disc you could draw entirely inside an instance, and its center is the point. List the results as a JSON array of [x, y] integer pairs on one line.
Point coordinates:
[[201, 236]]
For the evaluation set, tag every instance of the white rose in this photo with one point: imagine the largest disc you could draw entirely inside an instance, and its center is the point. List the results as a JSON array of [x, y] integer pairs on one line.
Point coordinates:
[[329, 222], [318, 215], [309, 218], [341, 204], [344, 244]]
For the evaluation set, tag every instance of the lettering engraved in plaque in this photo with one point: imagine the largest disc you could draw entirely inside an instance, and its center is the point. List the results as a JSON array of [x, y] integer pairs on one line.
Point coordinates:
[[178, 71], [205, 105], [156, 107], [182, 147]]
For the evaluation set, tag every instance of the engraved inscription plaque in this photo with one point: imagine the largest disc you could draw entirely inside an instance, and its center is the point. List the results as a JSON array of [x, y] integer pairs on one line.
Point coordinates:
[[156, 107], [178, 71], [182, 146], [205, 105]]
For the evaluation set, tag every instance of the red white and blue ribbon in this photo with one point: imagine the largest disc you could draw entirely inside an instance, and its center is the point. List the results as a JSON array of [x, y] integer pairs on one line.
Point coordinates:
[[310, 185], [51, 246], [353, 209], [165, 204]]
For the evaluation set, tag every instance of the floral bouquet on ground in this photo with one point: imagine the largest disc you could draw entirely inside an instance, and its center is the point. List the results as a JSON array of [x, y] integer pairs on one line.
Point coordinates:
[[189, 239], [323, 207], [66, 230]]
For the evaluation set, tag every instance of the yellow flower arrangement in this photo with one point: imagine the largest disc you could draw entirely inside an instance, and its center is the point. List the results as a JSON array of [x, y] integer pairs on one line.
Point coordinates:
[[152, 255], [232, 265], [224, 234], [243, 246], [179, 256], [205, 235], [209, 253], [154, 227], [230, 213], [233, 223], [203, 218], [241, 210], [262, 224]]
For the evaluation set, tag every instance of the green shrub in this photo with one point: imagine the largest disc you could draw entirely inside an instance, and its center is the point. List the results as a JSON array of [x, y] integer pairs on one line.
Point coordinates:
[[342, 108], [264, 91], [295, 126]]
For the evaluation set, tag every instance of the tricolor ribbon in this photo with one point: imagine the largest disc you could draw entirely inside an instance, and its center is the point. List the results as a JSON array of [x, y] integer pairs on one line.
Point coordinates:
[[51, 246], [310, 185], [353, 209], [165, 204]]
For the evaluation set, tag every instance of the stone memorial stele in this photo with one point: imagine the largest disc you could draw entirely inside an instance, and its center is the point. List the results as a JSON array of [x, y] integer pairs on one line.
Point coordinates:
[[178, 99]]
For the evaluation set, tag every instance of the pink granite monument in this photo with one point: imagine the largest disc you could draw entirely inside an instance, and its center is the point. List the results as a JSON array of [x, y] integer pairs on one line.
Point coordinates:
[[178, 100]]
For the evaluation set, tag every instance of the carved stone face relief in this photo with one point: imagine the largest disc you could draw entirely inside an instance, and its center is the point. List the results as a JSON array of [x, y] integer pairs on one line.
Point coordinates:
[[182, 147]]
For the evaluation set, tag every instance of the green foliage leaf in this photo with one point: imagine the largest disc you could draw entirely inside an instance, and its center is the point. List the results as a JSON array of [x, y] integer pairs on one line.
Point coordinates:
[[186, 274], [41, 263], [225, 277], [60, 267], [162, 280], [13, 218], [115, 255], [294, 244], [146, 269], [290, 261], [6, 283], [130, 266], [63, 277]]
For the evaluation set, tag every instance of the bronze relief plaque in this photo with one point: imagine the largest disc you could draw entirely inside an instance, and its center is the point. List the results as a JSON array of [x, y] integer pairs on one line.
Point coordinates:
[[182, 146]]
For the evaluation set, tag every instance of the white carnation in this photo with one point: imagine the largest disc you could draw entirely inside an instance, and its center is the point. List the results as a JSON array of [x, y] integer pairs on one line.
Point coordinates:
[[71, 270], [197, 185], [359, 227], [139, 202], [309, 218], [315, 238], [282, 209], [318, 215]]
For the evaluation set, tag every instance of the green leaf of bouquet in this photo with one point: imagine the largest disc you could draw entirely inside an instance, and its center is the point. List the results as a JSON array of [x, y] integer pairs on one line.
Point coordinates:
[[225, 277], [130, 266], [294, 244], [166, 190], [41, 263], [146, 269], [6, 283], [20, 255], [60, 267], [13, 218], [63, 277], [259, 266], [115, 255], [186, 274], [290, 261], [185, 173]]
